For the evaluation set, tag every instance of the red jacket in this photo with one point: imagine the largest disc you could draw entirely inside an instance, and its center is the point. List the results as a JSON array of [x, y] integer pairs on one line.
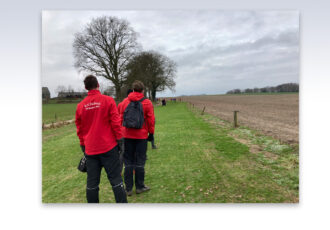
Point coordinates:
[[98, 123], [149, 117]]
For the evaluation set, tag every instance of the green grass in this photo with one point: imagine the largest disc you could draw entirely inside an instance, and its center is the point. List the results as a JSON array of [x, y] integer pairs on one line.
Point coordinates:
[[281, 158], [58, 112], [196, 161]]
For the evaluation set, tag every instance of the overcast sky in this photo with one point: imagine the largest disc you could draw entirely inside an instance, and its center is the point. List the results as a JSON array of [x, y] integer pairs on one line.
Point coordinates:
[[215, 51]]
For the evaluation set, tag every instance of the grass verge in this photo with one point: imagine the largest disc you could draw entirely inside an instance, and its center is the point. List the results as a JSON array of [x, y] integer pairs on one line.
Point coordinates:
[[198, 160], [58, 112]]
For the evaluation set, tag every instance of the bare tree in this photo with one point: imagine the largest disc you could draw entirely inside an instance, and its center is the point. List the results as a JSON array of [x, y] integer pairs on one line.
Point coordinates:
[[109, 90], [248, 90], [236, 91], [81, 89], [256, 90], [155, 70], [104, 47], [60, 88], [70, 89], [288, 87]]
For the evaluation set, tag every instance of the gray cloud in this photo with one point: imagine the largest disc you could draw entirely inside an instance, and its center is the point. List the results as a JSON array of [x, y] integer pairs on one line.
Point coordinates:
[[215, 51]]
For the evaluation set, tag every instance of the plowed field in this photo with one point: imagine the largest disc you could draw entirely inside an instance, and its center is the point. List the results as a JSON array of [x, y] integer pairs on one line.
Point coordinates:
[[276, 115]]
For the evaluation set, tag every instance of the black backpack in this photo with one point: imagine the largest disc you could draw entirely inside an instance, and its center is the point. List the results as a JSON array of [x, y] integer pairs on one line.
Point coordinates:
[[133, 115]]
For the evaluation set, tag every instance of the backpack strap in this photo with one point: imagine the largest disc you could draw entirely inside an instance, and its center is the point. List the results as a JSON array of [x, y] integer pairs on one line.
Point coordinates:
[[142, 99]]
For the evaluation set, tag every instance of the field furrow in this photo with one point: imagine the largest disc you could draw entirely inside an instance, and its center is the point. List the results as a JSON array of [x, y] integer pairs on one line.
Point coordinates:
[[275, 115]]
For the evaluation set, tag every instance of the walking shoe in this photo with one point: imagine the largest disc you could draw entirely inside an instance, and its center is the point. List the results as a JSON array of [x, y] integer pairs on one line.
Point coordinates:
[[141, 190], [129, 193], [154, 147]]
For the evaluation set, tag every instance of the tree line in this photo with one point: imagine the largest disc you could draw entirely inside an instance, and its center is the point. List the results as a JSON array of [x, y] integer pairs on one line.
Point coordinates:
[[107, 47], [68, 89], [288, 87]]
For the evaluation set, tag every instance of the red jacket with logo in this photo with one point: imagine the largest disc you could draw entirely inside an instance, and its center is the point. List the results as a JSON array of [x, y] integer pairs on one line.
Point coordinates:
[[149, 117], [98, 123]]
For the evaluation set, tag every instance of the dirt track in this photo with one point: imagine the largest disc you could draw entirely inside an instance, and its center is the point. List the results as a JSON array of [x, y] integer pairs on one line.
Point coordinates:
[[57, 124], [273, 115]]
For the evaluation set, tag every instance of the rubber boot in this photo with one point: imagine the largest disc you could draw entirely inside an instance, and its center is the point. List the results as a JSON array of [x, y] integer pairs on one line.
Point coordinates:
[[120, 194], [92, 195]]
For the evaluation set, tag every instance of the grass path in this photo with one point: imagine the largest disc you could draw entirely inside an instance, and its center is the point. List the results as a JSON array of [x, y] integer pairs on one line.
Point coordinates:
[[196, 162]]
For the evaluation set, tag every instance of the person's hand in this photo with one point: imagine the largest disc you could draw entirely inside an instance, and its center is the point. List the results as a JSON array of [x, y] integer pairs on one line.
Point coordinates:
[[82, 148], [150, 137]]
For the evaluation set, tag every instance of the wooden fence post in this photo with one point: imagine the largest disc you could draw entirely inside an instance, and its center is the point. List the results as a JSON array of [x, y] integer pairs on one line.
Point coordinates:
[[203, 110], [235, 119], [55, 117]]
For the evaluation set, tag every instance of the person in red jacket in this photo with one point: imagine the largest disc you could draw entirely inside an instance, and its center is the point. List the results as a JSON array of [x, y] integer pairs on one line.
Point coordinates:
[[99, 131], [135, 140], [122, 146]]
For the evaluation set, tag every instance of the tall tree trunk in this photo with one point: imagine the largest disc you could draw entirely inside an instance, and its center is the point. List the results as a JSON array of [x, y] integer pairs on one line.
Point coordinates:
[[149, 92], [153, 95], [118, 92]]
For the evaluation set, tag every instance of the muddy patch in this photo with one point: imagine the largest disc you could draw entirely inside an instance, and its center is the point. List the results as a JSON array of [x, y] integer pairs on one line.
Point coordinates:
[[255, 149]]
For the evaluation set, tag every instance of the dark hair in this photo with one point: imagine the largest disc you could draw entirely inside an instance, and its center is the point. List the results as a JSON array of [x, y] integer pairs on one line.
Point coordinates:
[[91, 82], [138, 86], [129, 91]]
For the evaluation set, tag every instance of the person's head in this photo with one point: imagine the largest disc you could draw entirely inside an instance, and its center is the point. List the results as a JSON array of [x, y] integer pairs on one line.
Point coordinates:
[[129, 91], [138, 86], [91, 82]]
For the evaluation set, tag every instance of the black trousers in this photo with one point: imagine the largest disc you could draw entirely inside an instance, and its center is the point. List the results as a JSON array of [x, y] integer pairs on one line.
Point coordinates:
[[135, 157], [110, 162]]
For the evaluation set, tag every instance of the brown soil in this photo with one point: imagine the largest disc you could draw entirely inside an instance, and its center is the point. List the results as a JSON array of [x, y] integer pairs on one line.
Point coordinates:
[[273, 115]]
